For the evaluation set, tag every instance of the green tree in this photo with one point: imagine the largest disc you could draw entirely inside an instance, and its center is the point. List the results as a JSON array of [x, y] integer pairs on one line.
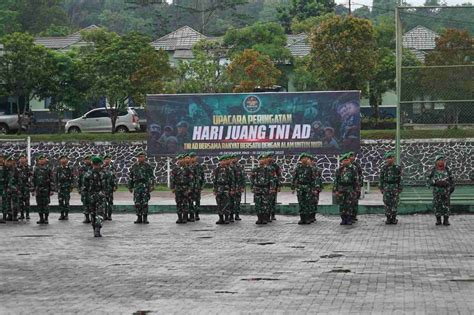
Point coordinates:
[[302, 10], [250, 70], [8, 17], [37, 16], [305, 77], [23, 66], [343, 48]]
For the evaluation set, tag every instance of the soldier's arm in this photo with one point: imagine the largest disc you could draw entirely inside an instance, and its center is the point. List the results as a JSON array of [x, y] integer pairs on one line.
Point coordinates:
[[335, 187], [294, 179], [151, 175], [318, 181], [382, 179], [131, 178], [430, 178]]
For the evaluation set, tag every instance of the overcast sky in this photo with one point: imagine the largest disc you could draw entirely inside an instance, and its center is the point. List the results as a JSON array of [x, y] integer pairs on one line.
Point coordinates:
[[412, 2]]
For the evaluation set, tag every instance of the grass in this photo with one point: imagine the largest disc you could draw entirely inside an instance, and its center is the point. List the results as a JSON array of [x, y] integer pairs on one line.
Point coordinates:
[[365, 134]]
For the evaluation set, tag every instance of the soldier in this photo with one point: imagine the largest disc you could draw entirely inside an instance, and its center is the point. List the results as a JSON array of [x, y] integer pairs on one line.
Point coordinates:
[[318, 186], [240, 178], [3, 171], [223, 182], [391, 186], [12, 189], [64, 183], [94, 186], [345, 188], [303, 182], [198, 182], [141, 182], [442, 182], [182, 181], [83, 169], [276, 182], [360, 183], [111, 185], [43, 188], [261, 185], [25, 174]]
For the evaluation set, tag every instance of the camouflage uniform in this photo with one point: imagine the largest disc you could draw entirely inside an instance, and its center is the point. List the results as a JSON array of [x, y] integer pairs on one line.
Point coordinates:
[[182, 181], [303, 182], [443, 186], [43, 186], [224, 187], [12, 192], [141, 182], [94, 186], [3, 190], [390, 185], [345, 187], [239, 177], [196, 188], [83, 169], [262, 184], [64, 182], [318, 186], [276, 182], [25, 174], [360, 183], [111, 185]]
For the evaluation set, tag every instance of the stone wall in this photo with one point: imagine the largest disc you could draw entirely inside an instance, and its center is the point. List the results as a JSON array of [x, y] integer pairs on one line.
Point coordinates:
[[417, 157]]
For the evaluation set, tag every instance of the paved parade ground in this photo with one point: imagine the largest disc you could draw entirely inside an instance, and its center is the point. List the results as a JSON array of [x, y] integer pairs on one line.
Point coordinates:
[[201, 267]]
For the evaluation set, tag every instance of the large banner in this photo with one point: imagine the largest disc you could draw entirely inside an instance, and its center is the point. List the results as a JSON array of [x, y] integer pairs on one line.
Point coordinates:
[[250, 124]]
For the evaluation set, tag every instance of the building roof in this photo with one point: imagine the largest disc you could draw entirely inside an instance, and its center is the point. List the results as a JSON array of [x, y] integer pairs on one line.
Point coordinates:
[[420, 38], [63, 42], [181, 39], [298, 45]]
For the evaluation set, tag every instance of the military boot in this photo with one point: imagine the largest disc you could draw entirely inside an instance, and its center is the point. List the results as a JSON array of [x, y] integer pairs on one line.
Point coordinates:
[[145, 219], [22, 215], [221, 219], [349, 220], [301, 221], [343, 220], [139, 219], [438, 220], [394, 219], [389, 220], [180, 219], [87, 218], [15, 217], [41, 220], [191, 217], [273, 216], [66, 215], [61, 217], [259, 219], [46, 215], [237, 218], [226, 219], [109, 216], [197, 218], [231, 218], [97, 231], [446, 220], [185, 218], [27, 214], [312, 218]]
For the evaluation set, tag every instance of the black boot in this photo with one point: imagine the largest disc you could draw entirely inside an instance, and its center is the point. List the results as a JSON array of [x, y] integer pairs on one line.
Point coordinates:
[[61, 217], [389, 220], [145, 219], [264, 218], [87, 219], [41, 220], [394, 219], [438, 220], [343, 220], [196, 217], [301, 221], [221, 219], [27, 214], [191, 217], [259, 219], [139, 219], [9, 217], [237, 218], [349, 220], [446, 220], [46, 215], [312, 218], [109, 216], [231, 218], [97, 231], [180, 219], [22, 215], [66, 215], [185, 218], [226, 219], [273, 217]]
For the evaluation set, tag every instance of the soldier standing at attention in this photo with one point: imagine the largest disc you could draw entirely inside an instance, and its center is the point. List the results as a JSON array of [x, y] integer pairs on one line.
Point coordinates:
[[111, 186], [303, 183], [64, 183], [3, 171], [196, 189], [94, 186], [345, 188], [43, 188], [276, 182], [240, 179], [181, 183], [317, 187], [391, 186], [442, 182], [83, 169], [223, 181], [261, 185], [141, 182], [13, 189], [25, 174], [360, 183]]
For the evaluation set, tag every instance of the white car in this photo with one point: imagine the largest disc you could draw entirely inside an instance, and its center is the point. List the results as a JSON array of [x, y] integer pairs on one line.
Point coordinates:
[[98, 120]]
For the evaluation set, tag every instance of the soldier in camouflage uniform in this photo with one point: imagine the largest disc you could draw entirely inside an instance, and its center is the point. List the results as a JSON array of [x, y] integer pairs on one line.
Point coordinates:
[[111, 185], [240, 178], [64, 183], [3, 171], [318, 186], [276, 182], [141, 182], [262, 186], [197, 184], [442, 182], [182, 181], [360, 182], [345, 189], [304, 183], [25, 174], [224, 188], [43, 188], [83, 169], [94, 186], [12, 190], [391, 186]]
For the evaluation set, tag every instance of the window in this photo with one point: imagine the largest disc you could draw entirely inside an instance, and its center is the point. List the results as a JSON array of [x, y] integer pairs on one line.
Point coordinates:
[[101, 113]]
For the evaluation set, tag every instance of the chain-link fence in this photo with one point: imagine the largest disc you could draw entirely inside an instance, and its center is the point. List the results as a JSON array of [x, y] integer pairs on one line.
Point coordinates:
[[435, 76]]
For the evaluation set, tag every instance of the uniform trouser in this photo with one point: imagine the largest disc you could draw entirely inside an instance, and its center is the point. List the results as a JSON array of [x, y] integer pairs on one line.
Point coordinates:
[[391, 198], [97, 208], [441, 203], [305, 198], [355, 208], [194, 201], [272, 202], [42, 202], [85, 203], [12, 204], [24, 202], [183, 201], [4, 202], [237, 199], [346, 202], [140, 199], [64, 196], [315, 202], [223, 200], [109, 203], [262, 200]]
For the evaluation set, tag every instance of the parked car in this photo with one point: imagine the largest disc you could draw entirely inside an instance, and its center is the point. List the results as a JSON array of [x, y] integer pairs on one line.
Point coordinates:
[[98, 120], [142, 117], [9, 122]]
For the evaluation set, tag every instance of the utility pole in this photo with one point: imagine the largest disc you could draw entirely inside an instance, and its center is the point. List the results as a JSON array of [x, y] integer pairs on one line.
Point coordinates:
[[350, 8]]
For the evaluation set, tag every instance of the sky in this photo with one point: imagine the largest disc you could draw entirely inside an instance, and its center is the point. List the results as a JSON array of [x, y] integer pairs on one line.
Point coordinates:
[[412, 2]]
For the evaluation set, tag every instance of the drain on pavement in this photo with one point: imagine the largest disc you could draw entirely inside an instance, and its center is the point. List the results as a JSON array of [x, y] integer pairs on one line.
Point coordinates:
[[259, 279], [141, 312], [205, 237], [310, 261], [340, 270], [225, 292], [332, 256], [266, 243]]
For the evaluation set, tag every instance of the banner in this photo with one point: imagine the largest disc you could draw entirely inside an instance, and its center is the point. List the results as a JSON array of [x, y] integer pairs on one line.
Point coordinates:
[[254, 123]]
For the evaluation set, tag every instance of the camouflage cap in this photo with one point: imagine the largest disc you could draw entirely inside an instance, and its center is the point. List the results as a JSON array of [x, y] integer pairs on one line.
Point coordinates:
[[222, 158], [107, 156], [140, 153], [262, 156], [344, 156], [440, 157], [22, 155], [389, 154], [192, 154], [96, 160], [305, 155], [40, 156]]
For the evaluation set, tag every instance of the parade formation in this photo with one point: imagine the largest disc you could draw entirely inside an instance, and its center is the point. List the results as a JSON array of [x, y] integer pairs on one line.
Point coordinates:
[[97, 182]]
